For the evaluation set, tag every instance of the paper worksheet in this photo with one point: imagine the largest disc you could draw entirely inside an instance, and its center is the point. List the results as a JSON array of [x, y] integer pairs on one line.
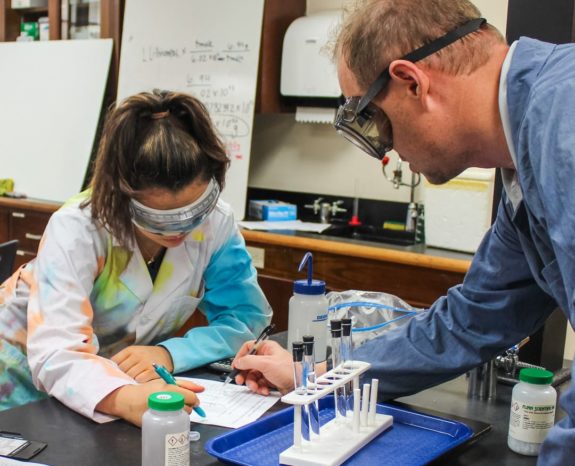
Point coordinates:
[[233, 406], [284, 225]]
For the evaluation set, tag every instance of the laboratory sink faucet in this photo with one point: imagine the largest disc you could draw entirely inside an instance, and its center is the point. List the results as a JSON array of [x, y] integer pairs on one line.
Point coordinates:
[[325, 209], [316, 206], [334, 209]]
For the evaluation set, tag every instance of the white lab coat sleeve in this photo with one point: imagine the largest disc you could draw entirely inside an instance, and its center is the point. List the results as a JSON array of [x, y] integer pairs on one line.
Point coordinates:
[[62, 347]]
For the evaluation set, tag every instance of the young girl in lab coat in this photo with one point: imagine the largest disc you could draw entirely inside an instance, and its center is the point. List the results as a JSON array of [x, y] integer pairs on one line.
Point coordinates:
[[122, 266]]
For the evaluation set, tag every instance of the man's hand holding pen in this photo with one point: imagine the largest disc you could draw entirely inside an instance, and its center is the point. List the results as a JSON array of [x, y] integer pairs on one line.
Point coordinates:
[[269, 368], [266, 332]]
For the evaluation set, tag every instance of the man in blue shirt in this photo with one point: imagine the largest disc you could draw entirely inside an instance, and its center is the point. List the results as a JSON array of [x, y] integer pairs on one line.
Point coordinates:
[[454, 95]]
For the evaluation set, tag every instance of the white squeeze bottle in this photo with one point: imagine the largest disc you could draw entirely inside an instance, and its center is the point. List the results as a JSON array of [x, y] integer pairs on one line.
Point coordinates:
[[166, 431], [308, 310]]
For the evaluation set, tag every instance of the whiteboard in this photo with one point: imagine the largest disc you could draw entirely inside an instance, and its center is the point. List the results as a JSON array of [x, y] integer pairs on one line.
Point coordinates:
[[51, 96], [209, 49]]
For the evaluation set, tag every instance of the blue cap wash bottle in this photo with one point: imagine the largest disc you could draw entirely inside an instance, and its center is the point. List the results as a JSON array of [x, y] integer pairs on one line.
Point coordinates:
[[308, 310]]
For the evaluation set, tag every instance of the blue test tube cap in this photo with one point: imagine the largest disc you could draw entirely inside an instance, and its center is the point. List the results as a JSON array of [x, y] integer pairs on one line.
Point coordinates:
[[308, 286]]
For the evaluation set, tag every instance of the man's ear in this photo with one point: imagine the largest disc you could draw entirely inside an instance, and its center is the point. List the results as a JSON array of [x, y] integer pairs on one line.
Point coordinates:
[[411, 78]]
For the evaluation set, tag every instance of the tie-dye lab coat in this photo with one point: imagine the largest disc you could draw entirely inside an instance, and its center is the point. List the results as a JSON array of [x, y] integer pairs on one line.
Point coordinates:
[[85, 297]]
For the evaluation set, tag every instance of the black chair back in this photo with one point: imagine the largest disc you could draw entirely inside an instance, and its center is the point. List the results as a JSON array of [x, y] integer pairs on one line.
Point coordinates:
[[7, 257]]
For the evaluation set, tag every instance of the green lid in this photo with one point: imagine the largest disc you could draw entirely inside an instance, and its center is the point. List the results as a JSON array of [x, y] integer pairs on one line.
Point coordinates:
[[166, 401], [536, 376]]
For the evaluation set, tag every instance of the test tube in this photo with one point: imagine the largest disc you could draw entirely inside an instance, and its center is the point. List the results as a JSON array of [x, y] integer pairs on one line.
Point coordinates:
[[346, 356], [297, 352], [346, 343], [339, 395], [310, 376], [335, 326], [300, 388]]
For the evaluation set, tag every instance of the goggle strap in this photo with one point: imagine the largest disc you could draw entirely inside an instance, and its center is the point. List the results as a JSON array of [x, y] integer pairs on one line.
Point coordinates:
[[443, 41], [373, 90], [419, 54]]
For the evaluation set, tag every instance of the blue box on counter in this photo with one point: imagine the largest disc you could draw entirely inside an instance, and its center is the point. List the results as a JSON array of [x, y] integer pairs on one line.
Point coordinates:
[[272, 210]]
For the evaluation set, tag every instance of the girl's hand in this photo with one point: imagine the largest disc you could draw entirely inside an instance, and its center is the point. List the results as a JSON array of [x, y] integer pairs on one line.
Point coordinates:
[[136, 361], [130, 402]]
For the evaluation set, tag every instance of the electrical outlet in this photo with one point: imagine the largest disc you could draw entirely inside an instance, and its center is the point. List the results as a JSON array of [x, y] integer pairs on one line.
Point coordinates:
[[258, 256]]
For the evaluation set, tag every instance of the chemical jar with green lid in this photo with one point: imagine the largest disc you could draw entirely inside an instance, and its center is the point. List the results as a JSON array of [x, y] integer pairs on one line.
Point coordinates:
[[532, 411], [165, 431]]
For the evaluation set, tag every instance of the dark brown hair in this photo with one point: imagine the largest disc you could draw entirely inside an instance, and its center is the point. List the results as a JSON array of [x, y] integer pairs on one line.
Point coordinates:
[[376, 32], [156, 139]]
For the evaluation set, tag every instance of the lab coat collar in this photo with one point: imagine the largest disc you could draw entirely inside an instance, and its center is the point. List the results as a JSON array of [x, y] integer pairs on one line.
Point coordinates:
[[176, 268], [136, 277], [508, 176]]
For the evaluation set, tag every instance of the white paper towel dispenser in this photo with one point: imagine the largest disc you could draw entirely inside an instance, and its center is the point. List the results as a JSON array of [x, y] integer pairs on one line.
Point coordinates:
[[308, 74]]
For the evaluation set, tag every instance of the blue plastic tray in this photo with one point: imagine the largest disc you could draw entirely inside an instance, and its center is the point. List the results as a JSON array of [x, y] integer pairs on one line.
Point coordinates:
[[414, 439]]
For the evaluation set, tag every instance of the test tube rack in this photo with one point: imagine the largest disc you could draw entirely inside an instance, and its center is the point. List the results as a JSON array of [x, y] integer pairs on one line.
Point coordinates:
[[339, 438]]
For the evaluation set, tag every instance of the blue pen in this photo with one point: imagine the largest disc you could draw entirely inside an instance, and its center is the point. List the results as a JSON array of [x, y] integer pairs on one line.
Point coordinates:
[[169, 378]]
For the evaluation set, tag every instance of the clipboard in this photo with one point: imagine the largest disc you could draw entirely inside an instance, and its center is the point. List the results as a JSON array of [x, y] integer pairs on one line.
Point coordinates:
[[14, 445]]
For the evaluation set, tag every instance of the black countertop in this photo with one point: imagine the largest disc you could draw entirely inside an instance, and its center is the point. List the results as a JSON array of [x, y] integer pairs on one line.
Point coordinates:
[[450, 400], [413, 248], [73, 440]]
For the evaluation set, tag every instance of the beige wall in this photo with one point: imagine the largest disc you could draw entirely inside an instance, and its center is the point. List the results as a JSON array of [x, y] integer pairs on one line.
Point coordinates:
[[346, 162], [308, 157], [570, 344], [293, 156], [494, 10]]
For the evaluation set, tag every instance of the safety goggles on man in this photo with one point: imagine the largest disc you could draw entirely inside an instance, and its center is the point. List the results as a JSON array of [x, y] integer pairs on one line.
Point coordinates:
[[175, 222], [364, 123]]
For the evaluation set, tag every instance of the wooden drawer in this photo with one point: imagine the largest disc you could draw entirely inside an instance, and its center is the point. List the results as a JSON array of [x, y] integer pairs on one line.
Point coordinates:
[[22, 257], [27, 227], [418, 285], [24, 220], [4, 223]]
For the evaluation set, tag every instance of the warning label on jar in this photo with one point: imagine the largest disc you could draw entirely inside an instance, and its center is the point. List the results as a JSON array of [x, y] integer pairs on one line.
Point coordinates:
[[177, 449], [530, 423]]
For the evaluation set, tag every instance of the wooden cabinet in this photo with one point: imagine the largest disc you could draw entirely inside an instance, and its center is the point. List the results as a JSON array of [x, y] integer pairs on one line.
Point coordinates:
[[27, 227], [26, 222], [4, 224], [111, 12], [10, 18], [418, 279], [278, 15], [278, 291]]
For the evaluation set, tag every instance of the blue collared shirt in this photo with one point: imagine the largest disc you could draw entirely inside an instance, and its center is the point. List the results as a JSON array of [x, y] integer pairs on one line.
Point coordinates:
[[525, 265]]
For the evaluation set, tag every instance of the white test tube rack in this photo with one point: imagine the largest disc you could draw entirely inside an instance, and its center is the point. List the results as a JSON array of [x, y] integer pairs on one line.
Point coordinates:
[[339, 438]]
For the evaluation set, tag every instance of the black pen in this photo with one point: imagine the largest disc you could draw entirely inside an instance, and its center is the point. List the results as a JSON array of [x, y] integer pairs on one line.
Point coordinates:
[[263, 336]]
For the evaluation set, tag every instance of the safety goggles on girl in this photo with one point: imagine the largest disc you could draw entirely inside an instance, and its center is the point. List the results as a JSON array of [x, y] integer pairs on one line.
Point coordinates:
[[364, 123], [175, 222]]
